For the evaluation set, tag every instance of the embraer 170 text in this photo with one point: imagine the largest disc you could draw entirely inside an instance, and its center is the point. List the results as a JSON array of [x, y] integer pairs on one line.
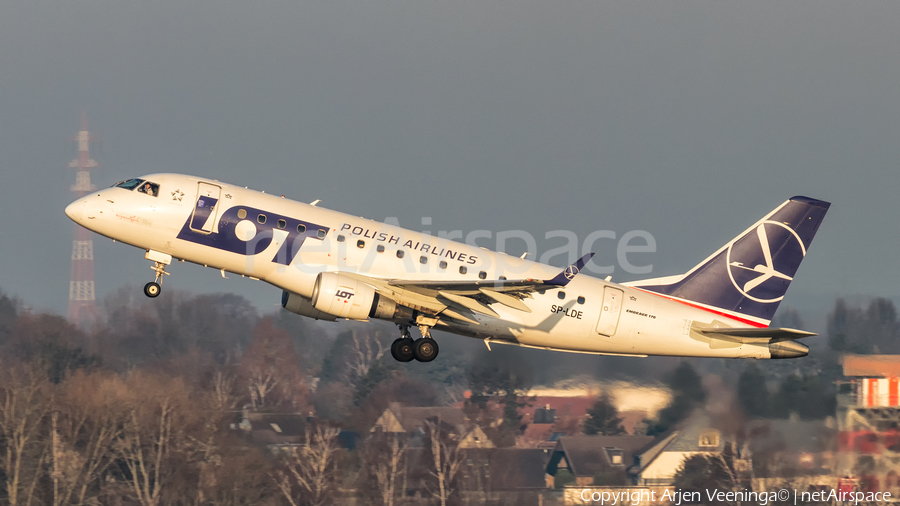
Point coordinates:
[[332, 265]]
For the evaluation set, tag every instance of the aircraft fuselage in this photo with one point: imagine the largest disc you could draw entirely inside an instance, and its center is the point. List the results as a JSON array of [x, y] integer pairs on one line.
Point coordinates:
[[288, 244]]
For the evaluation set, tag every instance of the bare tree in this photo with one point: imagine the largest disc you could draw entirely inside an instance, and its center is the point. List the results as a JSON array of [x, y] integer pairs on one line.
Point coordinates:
[[87, 420], [447, 457], [240, 477], [384, 462], [311, 469], [25, 401], [270, 366], [154, 445], [364, 352], [223, 390]]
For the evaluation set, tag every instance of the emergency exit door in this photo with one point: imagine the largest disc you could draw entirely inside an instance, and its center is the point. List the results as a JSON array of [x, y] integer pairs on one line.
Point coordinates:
[[609, 311]]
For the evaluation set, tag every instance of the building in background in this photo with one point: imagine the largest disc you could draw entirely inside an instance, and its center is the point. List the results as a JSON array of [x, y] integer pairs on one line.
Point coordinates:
[[868, 416]]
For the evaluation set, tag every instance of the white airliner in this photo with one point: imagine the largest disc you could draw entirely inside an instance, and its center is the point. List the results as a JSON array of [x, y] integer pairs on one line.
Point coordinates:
[[332, 265]]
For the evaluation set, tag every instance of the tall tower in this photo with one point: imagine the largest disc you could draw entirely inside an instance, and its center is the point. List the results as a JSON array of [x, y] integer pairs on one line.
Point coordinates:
[[82, 303]]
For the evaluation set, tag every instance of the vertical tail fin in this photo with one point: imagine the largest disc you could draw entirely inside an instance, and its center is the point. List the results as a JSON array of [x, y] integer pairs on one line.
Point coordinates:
[[750, 275]]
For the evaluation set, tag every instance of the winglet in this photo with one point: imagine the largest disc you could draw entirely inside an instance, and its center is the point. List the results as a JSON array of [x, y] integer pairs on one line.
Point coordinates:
[[563, 278]]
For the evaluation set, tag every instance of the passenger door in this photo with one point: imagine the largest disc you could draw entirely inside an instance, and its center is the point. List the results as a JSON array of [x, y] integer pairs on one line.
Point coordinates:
[[205, 209]]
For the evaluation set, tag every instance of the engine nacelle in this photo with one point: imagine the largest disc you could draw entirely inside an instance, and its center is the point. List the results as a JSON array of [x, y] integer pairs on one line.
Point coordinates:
[[303, 306], [343, 296]]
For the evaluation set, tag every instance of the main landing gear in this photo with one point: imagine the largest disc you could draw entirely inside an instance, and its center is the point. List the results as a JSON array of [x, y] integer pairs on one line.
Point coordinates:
[[405, 349]]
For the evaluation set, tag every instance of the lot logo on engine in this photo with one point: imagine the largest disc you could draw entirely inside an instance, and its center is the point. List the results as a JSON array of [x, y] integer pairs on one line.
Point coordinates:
[[343, 294]]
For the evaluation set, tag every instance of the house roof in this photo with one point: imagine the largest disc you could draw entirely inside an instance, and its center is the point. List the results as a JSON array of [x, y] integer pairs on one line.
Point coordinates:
[[277, 429], [415, 418], [871, 365], [565, 406], [589, 455], [397, 418], [652, 451], [286, 425]]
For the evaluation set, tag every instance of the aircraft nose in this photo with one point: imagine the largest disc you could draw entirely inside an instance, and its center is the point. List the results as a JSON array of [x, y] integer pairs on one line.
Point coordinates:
[[75, 209]]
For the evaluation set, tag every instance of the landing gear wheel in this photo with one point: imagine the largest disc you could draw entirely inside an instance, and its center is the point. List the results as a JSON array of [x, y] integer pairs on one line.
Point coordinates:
[[402, 349], [152, 289], [425, 349]]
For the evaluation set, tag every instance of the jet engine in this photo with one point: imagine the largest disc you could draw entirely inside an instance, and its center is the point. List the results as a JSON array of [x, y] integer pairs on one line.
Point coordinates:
[[303, 307], [347, 297]]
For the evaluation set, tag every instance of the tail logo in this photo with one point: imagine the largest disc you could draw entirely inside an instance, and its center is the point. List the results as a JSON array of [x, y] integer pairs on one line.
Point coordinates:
[[570, 272], [764, 271]]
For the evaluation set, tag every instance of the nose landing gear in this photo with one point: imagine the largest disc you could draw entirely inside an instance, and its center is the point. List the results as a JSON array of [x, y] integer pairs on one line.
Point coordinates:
[[160, 261], [405, 349]]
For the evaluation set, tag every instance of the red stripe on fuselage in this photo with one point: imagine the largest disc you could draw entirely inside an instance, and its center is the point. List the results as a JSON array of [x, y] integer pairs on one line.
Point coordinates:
[[708, 310]]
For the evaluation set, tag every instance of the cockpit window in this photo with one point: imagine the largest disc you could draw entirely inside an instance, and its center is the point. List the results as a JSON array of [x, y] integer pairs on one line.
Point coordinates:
[[129, 184], [149, 188]]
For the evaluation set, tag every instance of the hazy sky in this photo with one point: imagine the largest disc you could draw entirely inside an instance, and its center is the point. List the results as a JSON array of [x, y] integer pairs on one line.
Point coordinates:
[[687, 119]]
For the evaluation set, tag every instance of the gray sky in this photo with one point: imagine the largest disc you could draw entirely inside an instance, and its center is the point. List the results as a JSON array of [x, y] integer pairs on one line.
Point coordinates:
[[686, 119]]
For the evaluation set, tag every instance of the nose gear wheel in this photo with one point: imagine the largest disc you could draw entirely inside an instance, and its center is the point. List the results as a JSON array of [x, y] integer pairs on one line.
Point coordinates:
[[153, 288]]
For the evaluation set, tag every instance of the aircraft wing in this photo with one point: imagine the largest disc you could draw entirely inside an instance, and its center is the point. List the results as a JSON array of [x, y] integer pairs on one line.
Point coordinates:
[[499, 285], [457, 298]]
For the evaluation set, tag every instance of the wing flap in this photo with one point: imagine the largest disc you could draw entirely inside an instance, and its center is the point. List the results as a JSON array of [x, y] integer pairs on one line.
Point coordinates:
[[506, 299], [469, 303], [456, 315]]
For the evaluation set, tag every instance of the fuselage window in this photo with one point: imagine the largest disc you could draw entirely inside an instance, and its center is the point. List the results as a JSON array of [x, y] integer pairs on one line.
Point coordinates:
[[442, 265], [129, 184], [423, 260], [340, 238], [561, 294], [580, 300], [482, 275], [503, 277], [261, 219], [320, 233], [360, 243], [301, 228], [149, 188], [399, 253], [242, 213], [542, 292], [462, 269], [380, 248], [282, 223]]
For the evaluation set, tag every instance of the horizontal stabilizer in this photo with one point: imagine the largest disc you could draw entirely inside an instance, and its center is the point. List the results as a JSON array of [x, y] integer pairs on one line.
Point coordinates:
[[748, 335]]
